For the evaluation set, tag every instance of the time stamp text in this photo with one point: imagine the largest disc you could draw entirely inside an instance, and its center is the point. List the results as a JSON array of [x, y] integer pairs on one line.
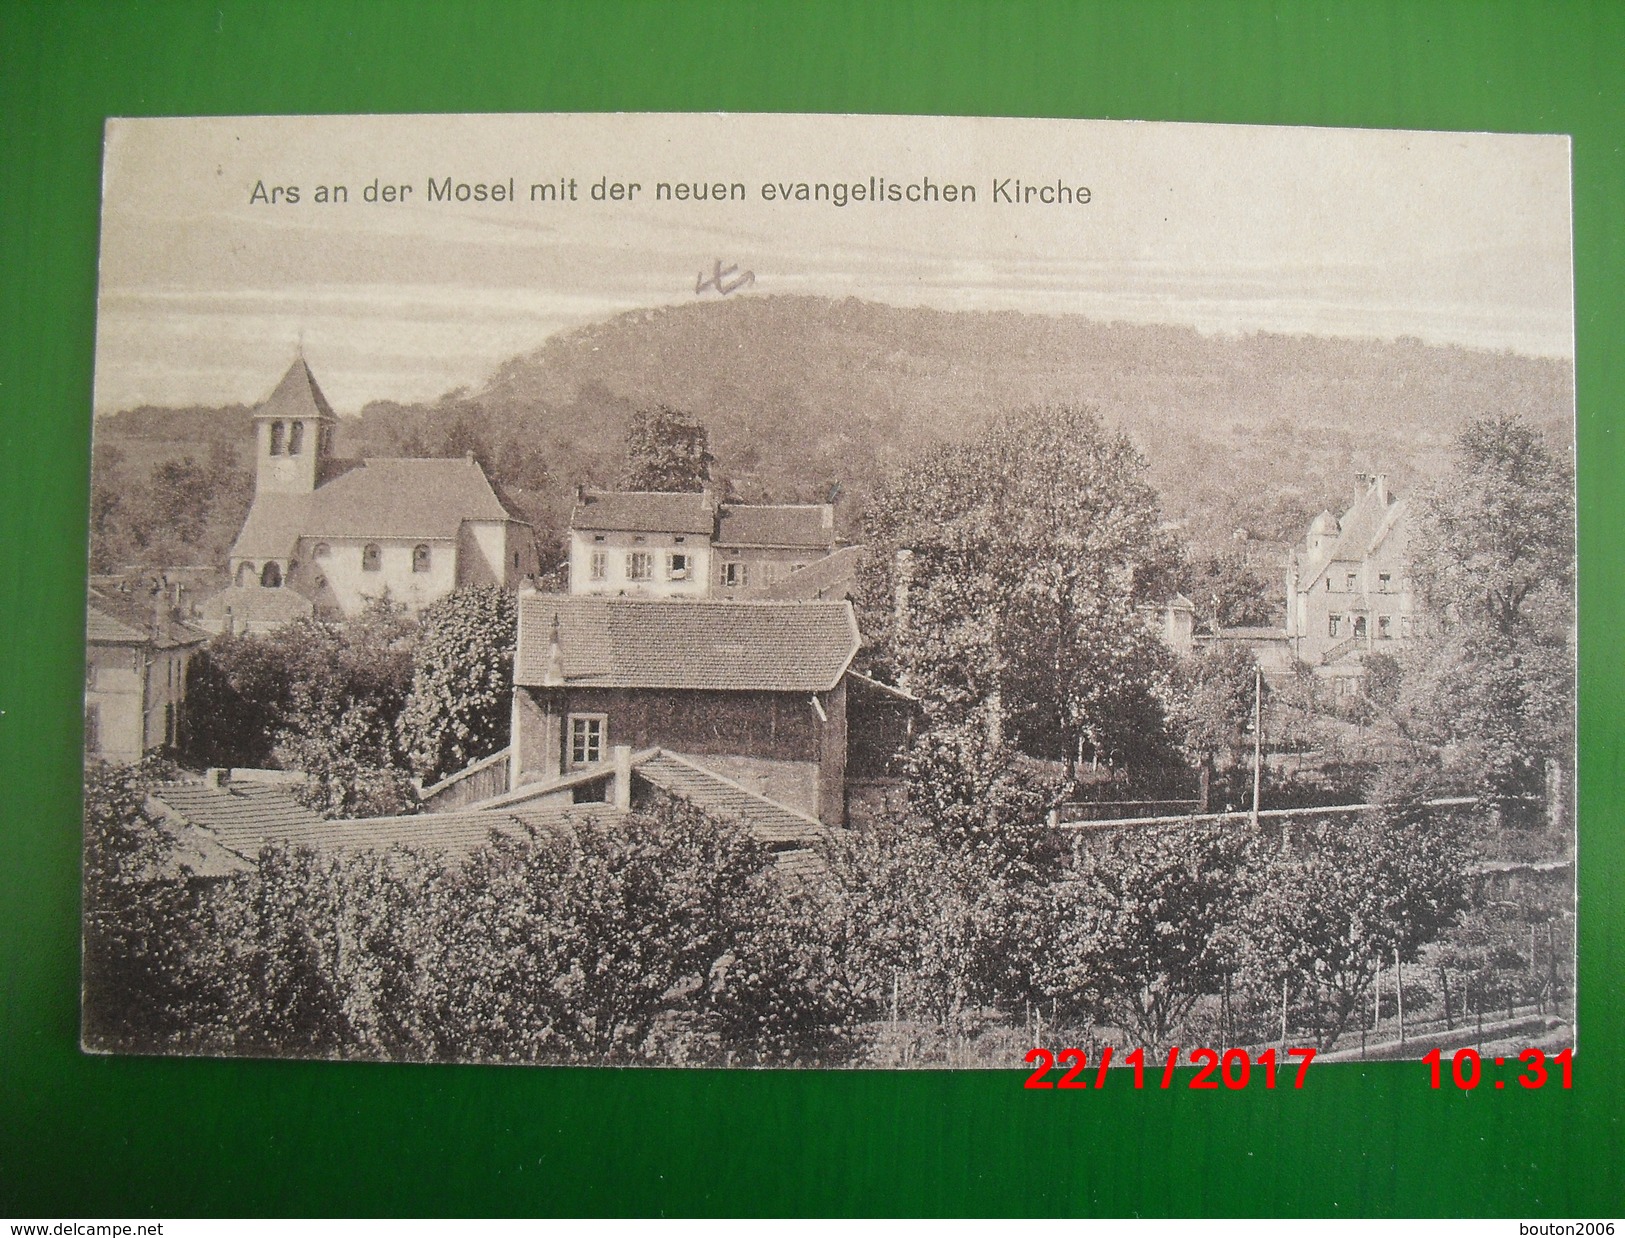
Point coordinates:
[[1235, 1069]]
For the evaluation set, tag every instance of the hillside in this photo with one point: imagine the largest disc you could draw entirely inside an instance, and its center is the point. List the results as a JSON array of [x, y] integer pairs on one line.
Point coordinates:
[[804, 393]]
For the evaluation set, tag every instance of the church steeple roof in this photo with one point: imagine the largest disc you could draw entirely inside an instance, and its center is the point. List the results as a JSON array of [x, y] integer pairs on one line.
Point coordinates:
[[297, 397]]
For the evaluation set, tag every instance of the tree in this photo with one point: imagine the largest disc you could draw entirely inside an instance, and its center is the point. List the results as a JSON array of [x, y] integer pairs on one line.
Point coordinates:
[[667, 450], [1228, 591], [1030, 549], [1213, 708], [1492, 558], [462, 681], [1335, 909], [1147, 922]]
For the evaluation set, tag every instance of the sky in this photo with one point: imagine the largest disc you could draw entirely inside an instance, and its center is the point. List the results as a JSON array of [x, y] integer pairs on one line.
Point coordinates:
[[206, 294]]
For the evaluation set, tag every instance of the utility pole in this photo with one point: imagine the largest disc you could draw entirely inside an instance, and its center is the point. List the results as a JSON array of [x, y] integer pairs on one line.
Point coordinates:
[[1258, 737]]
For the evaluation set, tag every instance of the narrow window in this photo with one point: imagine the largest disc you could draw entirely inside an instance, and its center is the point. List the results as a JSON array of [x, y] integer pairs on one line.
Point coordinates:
[[296, 438], [271, 577], [640, 565], [90, 674], [169, 723], [1349, 581], [93, 728], [598, 566], [245, 573], [1328, 584], [516, 560], [1383, 581], [677, 567], [586, 739], [1384, 628], [279, 434], [1359, 625], [1333, 623], [371, 558], [420, 558]]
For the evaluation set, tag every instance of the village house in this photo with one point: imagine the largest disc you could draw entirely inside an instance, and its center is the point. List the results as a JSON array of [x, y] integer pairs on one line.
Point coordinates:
[[136, 655], [326, 536], [690, 545], [1346, 590], [760, 693]]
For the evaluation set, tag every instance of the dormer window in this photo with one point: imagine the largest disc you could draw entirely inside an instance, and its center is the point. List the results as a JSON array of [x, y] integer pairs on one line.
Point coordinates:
[[279, 437], [296, 438]]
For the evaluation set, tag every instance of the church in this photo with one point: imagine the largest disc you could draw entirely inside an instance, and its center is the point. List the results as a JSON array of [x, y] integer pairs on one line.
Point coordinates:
[[326, 536]]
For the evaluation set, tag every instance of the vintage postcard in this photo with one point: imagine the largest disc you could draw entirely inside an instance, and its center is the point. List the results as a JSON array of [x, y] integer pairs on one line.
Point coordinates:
[[832, 591]]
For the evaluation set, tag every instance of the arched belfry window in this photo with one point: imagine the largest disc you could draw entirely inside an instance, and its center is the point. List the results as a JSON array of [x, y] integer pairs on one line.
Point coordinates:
[[271, 576], [371, 559], [321, 551], [420, 558], [296, 438], [279, 437], [245, 573]]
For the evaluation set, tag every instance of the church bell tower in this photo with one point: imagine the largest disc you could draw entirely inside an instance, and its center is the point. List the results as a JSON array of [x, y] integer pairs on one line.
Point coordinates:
[[293, 432]]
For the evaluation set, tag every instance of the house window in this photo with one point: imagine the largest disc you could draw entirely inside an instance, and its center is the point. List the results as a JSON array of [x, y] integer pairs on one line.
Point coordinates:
[[245, 573], [1384, 628], [279, 436], [734, 575], [1334, 624], [598, 565], [1328, 584], [1383, 581], [516, 560], [587, 738], [321, 551], [1349, 581], [90, 674], [93, 728], [371, 558], [677, 567], [1359, 626], [420, 558], [640, 565], [296, 438], [271, 577], [1406, 627]]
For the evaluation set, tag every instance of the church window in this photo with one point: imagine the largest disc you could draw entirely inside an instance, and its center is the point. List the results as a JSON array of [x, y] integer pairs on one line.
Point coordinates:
[[420, 558], [321, 551], [279, 436], [245, 573], [371, 558], [271, 576], [587, 738], [296, 438]]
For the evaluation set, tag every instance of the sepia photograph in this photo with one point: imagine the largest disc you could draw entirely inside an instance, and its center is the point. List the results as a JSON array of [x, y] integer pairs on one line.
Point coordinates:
[[831, 591]]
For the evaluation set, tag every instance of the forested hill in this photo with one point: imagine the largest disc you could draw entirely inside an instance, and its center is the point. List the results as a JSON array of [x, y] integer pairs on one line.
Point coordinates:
[[801, 393]]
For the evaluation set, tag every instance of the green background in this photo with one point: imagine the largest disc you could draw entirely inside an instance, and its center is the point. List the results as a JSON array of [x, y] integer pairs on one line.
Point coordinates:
[[82, 1136]]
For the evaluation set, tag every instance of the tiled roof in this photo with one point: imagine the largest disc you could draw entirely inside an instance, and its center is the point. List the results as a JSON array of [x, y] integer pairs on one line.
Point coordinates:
[[639, 511], [831, 578], [296, 397], [252, 604], [272, 529], [802, 526], [1364, 527], [118, 619], [249, 816], [380, 498], [662, 643]]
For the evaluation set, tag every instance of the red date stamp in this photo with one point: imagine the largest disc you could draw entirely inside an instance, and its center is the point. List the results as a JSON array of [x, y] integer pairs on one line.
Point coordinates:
[[1231, 1068]]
